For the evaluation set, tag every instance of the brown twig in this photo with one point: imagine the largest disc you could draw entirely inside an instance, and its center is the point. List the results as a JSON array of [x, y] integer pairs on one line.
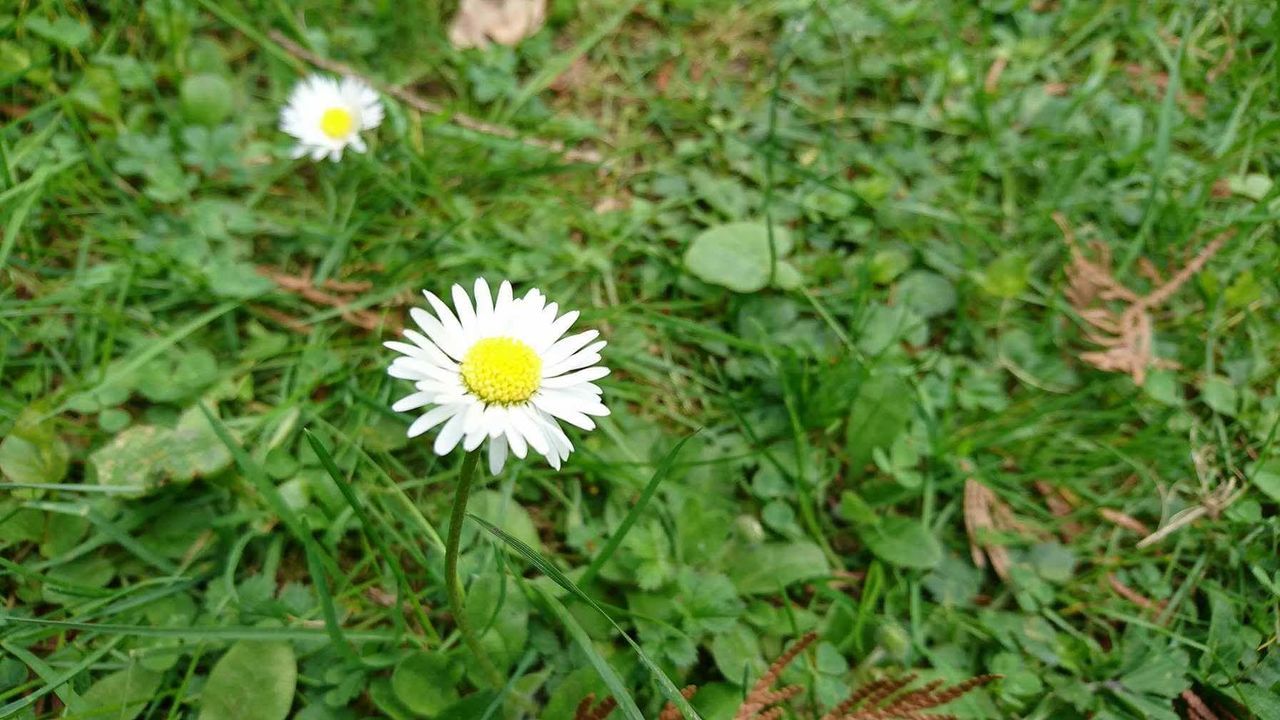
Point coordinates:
[[303, 286], [427, 106]]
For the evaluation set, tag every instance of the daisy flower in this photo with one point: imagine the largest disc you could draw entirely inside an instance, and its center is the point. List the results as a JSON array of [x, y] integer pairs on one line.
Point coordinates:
[[327, 115], [500, 369]]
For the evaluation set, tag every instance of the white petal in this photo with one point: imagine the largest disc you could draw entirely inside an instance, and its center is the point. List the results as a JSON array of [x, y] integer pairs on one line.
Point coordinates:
[[558, 328], [432, 418], [412, 402], [581, 376], [449, 435], [445, 335], [484, 304], [497, 454], [522, 421], [566, 347], [584, 358], [466, 314], [451, 325]]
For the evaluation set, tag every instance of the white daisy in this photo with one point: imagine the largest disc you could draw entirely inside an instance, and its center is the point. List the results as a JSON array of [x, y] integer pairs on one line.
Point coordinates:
[[501, 370], [327, 115]]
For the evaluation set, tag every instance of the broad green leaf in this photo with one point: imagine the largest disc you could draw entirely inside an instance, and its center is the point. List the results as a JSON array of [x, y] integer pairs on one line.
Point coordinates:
[[737, 654], [763, 569], [122, 695], [63, 31], [665, 686], [928, 293], [610, 677], [879, 413], [507, 513], [1006, 276], [144, 456], [1263, 703], [206, 98], [1266, 477], [426, 683], [736, 255], [33, 454], [252, 681], [903, 542], [1219, 394]]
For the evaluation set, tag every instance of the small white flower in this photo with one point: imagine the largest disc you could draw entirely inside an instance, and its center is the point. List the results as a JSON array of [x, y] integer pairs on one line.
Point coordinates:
[[327, 115], [501, 370]]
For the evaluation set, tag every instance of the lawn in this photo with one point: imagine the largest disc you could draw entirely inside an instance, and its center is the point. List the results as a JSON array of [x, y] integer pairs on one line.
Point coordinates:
[[942, 337]]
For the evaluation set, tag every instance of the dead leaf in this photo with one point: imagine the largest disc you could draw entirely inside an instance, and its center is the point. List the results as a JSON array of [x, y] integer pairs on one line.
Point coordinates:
[[1124, 334], [505, 22], [985, 514]]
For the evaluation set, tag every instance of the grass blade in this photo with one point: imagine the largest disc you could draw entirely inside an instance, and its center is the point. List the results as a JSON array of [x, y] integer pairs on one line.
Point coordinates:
[[668, 688], [625, 703], [615, 540], [265, 487]]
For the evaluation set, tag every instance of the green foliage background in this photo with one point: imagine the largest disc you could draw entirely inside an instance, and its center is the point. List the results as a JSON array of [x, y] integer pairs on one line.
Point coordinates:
[[821, 238]]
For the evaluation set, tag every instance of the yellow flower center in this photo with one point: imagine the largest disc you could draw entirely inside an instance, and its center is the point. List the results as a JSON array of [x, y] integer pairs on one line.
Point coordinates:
[[502, 370], [337, 123]]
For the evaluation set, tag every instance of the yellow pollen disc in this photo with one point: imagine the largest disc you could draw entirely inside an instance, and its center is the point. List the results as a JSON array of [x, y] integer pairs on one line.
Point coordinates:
[[502, 370], [336, 123]]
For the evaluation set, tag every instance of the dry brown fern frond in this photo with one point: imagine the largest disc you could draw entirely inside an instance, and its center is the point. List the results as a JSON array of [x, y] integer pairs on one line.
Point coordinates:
[[757, 705], [670, 711], [585, 710], [892, 699], [1125, 333]]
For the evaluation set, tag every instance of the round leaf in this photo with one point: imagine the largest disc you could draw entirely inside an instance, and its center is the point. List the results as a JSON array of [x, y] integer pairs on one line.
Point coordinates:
[[903, 542], [252, 681], [736, 255], [206, 98]]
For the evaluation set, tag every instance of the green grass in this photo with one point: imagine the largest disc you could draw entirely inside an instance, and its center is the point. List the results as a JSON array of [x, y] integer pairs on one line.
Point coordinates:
[[206, 499]]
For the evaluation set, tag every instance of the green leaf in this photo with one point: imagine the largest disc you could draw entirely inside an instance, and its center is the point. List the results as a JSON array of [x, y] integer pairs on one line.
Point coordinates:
[[33, 453], [1261, 702], [1266, 476], [506, 513], [610, 677], [879, 413], [928, 293], [230, 278], [660, 473], [252, 681], [122, 695], [763, 569], [426, 683], [667, 688], [1006, 276], [144, 456], [1219, 394], [736, 255], [903, 542], [206, 98], [737, 654], [64, 31]]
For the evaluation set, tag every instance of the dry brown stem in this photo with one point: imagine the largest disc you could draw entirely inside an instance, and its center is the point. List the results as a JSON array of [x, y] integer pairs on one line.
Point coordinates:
[[331, 293]]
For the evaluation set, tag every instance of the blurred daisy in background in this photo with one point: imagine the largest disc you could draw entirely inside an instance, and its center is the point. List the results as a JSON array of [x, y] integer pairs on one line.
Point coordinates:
[[500, 369], [327, 115]]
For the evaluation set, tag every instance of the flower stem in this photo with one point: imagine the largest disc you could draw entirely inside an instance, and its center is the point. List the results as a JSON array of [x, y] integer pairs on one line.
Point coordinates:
[[451, 581]]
